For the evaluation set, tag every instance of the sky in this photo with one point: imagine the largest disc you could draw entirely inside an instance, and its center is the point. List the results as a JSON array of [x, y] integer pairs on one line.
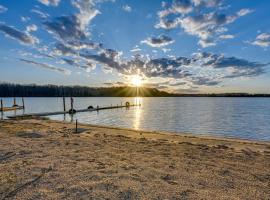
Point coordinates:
[[181, 46]]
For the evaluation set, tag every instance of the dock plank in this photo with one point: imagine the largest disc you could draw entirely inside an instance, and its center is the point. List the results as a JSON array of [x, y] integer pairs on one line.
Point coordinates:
[[5, 109], [67, 112]]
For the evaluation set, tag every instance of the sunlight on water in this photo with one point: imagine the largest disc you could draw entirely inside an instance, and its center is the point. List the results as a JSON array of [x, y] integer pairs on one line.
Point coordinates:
[[247, 118]]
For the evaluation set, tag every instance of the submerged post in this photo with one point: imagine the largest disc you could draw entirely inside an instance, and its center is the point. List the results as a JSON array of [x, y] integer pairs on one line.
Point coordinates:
[[64, 104], [72, 110], [23, 103], [14, 102], [71, 103], [2, 107]]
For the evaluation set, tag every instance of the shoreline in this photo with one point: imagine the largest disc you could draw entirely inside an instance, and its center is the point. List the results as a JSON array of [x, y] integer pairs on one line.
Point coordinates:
[[45, 159], [181, 134]]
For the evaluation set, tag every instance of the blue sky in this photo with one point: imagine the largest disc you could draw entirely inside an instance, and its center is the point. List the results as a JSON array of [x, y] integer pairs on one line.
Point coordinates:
[[185, 46]]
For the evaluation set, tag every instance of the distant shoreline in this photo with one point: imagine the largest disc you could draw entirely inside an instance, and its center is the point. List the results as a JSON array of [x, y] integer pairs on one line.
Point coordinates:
[[17, 90]]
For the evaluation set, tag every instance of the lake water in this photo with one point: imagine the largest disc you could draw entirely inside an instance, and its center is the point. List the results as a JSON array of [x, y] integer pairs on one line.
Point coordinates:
[[246, 118]]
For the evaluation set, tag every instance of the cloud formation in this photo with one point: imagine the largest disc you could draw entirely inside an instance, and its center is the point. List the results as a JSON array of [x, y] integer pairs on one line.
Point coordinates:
[[31, 28], [236, 67], [22, 37], [50, 2], [127, 8], [190, 15], [73, 27], [3, 9], [47, 66], [262, 40], [159, 41]]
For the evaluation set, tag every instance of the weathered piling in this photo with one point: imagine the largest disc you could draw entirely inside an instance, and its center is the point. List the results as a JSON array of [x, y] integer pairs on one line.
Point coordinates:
[[64, 104], [72, 110], [14, 103], [23, 103], [2, 107], [76, 128]]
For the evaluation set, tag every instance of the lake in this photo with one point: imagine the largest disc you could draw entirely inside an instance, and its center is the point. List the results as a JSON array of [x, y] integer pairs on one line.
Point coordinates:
[[246, 118]]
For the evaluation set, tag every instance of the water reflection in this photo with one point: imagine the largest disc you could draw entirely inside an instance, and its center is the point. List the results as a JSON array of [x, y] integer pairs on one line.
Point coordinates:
[[137, 114], [247, 118]]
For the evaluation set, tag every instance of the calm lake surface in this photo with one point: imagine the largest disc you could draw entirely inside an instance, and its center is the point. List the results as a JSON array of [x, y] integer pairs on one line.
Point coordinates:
[[246, 118]]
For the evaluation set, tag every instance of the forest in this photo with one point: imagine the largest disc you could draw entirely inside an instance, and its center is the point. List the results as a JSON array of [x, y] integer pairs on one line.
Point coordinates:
[[33, 90]]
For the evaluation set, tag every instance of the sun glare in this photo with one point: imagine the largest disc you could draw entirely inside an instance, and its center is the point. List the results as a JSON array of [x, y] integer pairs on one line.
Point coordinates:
[[136, 81]]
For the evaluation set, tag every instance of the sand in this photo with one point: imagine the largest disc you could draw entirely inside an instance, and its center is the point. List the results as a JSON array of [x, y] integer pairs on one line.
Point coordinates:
[[44, 159]]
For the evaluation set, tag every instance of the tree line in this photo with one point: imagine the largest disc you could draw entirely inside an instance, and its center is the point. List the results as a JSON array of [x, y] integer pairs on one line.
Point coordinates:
[[32, 90]]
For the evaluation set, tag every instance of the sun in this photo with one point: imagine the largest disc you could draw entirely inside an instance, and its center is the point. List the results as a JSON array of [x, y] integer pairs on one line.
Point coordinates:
[[136, 81]]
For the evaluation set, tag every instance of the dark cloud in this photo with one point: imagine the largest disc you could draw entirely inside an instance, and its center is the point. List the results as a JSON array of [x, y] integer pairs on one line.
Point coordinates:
[[238, 67], [204, 81], [22, 37], [115, 84], [88, 67], [46, 66], [159, 41], [73, 27], [66, 27], [61, 49]]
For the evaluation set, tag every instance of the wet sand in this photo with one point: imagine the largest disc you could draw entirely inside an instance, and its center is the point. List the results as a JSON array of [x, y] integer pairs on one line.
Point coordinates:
[[44, 159]]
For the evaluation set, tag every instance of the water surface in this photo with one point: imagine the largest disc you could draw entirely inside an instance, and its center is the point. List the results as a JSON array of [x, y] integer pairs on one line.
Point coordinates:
[[246, 118]]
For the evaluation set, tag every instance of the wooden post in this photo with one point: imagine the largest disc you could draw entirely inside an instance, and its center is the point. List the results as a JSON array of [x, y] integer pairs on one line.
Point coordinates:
[[64, 104], [2, 107], [76, 130], [71, 103], [23, 103], [14, 102]]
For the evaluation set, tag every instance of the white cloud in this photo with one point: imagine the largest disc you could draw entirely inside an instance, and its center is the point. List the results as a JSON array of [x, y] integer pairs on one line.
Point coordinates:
[[50, 2], [3, 9], [31, 28], [262, 40], [25, 19], [127, 8], [226, 36], [244, 12], [207, 24]]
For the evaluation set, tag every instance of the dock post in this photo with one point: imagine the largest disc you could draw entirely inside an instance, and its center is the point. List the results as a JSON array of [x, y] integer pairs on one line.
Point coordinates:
[[64, 104], [2, 107], [76, 130], [71, 103], [23, 103], [14, 102]]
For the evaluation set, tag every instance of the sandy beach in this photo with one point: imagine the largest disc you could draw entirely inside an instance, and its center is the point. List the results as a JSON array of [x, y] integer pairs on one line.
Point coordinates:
[[44, 159]]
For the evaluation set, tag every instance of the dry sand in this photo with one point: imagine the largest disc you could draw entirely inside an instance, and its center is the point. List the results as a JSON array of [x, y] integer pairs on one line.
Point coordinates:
[[43, 159]]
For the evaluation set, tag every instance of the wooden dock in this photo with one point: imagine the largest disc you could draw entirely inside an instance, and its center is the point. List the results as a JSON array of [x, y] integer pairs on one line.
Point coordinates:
[[5, 109], [68, 112], [14, 107]]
